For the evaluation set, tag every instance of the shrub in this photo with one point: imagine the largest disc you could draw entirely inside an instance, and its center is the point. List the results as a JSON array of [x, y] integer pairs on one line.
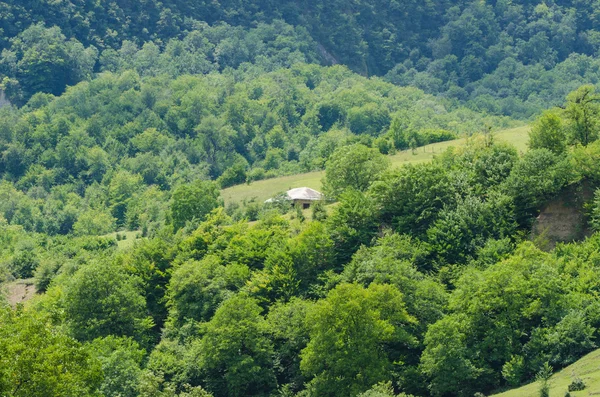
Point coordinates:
[[577, 385], [24, 263], [44, 274]]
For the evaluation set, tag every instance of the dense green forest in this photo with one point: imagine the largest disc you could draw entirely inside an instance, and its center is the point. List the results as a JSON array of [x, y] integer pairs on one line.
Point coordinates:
[[108, 153], [126, 120], [503, 57]]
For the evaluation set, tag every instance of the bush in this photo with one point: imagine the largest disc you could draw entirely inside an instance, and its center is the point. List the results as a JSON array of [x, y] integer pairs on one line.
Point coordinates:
[[24, 263], [513, 370], [252, 211], [234, 175], [436, 135], [256, 174], [44, 274], [577, 385], [319, 213]]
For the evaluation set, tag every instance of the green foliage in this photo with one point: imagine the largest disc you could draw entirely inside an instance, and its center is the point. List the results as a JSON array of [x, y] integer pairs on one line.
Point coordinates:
[[514, 370], [458, 233], [37, 358], [379, 390], [411, 197], [352, 167], [595, 212], [94, 223], [348, 329], [543, 376], [235, 354], [39, 52], [487, 310], [577, 385], [396, 260], [289, 330], [548, 132], [446, 360], [193, 202], [534, 180], [196, 289], [150, 263], [353, 222], [412, 277], [101, 300], [121, 359], [583, 112]]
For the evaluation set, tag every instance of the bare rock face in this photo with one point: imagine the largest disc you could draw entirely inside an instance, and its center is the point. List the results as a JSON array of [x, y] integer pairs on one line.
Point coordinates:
[[563, 219]]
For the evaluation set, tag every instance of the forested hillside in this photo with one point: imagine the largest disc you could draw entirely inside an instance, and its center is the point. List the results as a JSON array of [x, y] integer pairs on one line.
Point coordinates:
[[403, 283], [104, 153], [503, 57], [126, 119]]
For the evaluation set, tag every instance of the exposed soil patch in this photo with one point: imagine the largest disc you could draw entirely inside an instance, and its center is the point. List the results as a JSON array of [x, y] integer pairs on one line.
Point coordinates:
[[20, 291], [563, 219]]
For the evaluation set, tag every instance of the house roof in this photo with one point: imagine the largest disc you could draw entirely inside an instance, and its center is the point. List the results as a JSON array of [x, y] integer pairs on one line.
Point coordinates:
[[302, 193]]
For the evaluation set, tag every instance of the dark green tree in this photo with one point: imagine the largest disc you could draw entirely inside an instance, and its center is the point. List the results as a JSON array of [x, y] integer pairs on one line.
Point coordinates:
[[101, 299], [583, 111]]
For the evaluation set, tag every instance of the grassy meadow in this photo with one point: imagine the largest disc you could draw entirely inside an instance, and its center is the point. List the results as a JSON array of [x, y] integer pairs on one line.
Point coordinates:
[[262, 190], [587, 369]]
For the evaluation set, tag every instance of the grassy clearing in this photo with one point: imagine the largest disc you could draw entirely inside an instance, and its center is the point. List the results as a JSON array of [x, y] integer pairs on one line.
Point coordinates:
[[128, 238], [262, 190], [587, 368]]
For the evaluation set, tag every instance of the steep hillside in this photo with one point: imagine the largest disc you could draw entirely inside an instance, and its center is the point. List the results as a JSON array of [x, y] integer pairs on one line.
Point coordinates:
[[505, 57], [586, 369], [116, 148]]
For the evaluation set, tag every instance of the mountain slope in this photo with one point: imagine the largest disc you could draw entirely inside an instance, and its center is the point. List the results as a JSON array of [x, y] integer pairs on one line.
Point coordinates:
[[586, 368]]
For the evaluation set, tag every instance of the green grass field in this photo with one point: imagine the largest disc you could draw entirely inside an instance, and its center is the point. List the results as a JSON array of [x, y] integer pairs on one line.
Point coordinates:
[[129, 239], [262, 190], [587, 368]]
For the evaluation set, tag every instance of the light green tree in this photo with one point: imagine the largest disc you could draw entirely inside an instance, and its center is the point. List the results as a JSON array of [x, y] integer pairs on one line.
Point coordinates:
[[548, 132], [39, 359], [354, 166], [194, 201], [349, 331]]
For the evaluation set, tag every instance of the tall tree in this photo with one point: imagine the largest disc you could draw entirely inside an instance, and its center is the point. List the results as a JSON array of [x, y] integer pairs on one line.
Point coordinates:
[[235, 353], [583, 110], [349, 332], [39, 359], [194, 201], [354, 166]]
